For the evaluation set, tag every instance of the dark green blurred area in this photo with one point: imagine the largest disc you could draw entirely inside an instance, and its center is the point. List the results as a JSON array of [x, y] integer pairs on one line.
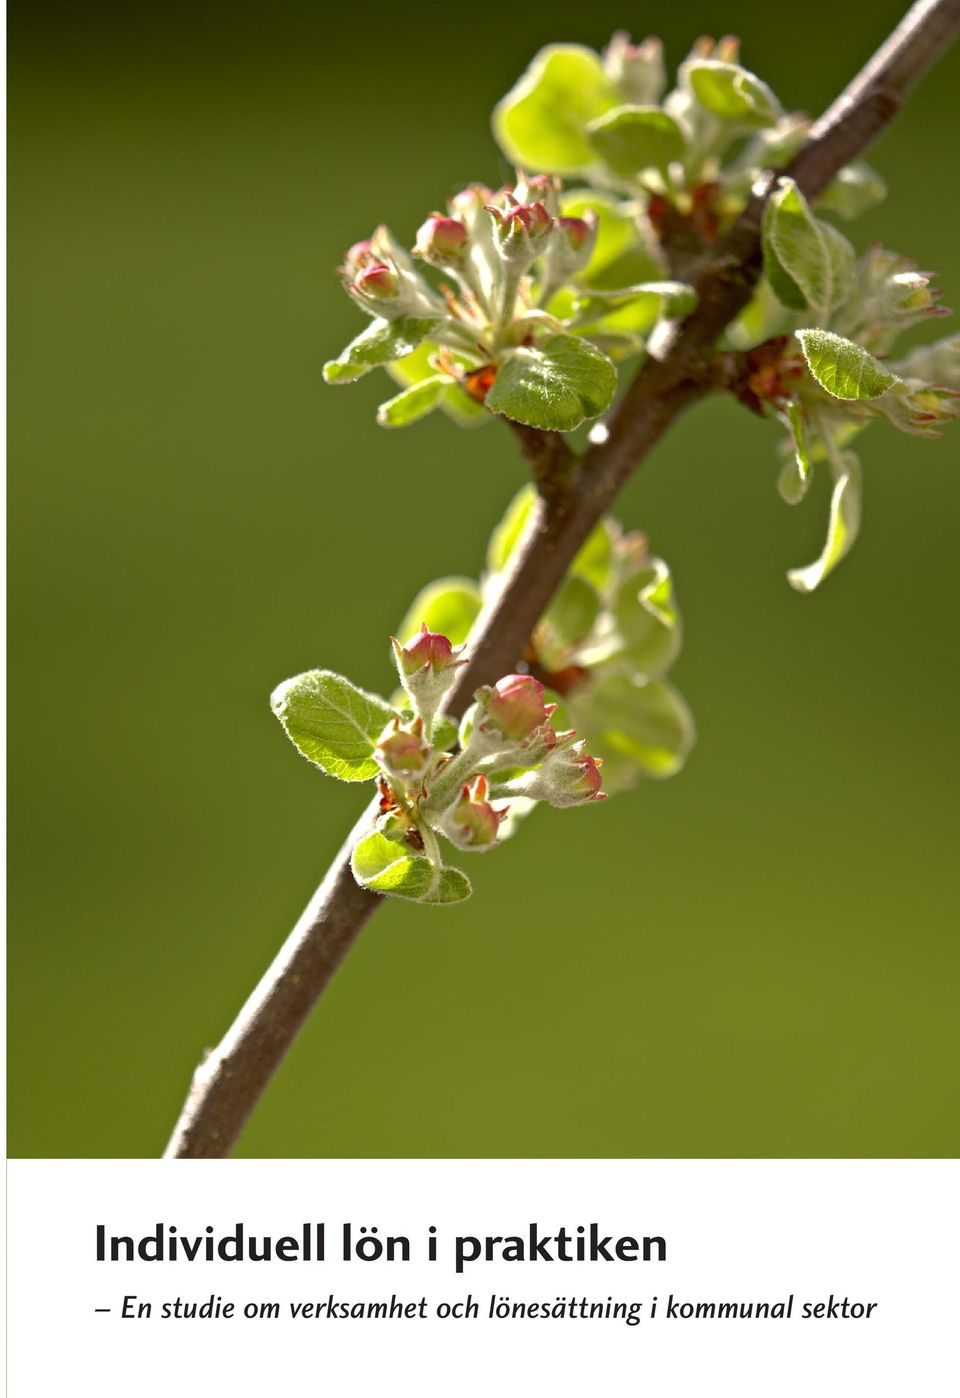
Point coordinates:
[[758, 958]]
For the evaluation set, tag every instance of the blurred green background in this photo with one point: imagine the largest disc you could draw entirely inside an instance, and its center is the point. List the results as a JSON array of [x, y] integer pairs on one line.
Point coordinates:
[[758, 958]]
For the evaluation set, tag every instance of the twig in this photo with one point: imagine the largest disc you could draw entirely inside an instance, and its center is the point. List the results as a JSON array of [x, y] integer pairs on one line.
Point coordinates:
[[574, 494]]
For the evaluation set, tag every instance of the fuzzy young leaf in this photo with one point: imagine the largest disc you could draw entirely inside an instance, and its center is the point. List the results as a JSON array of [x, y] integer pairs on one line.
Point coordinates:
[[507, 533], [648, 621], [809, 264], [413, 403], [640, 730], [568, 619], [732, 93], [381, 342], [332, 722], [453, 887], [857, 189], [449, 606], [418, 366], [632, 139], [387, 866], [844, 525], [843, 368], [794, 478], [634, 310], [542, 122], [555, 386]]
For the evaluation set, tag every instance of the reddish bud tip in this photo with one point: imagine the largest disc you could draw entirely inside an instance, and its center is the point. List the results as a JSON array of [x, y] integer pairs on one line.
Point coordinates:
[[442, 240], [378, 281], [515, 705], [576, 231], [428, 648]]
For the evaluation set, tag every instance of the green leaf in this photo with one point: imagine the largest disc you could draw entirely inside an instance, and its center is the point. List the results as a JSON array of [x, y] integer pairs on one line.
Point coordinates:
[[381, 342], [857, 189], [843, 528], [844, 369], [618, 238], [809, 264], [453, 887], [568, 619], [388, 866], [794, 478], [640, 730], [454, 400], [413, 403], [555, 386], [594, 561], [443, 733], [334, 724], [632, 139], [542, 122], [634, 309], [449, 605], [648, 621], [506, 535], [732, 93]]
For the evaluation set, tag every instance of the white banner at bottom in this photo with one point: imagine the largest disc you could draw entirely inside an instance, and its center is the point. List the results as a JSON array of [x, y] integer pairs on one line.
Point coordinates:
[[464, 1278]]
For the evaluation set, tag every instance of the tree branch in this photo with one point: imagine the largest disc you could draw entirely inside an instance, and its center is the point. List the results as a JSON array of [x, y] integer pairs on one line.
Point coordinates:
[[574, 494]]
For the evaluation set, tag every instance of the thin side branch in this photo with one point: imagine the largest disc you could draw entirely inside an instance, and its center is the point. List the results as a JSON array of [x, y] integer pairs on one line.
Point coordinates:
[[574, 495]]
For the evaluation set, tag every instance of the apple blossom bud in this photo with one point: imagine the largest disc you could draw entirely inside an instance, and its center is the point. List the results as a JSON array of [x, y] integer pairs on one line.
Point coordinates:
[[402, 752], [377, 281], [427, 667], [567, 777], [574, 246], [521, 230], [514, 707], [428, 648], [472, 823], [443, 242], [360, 255]]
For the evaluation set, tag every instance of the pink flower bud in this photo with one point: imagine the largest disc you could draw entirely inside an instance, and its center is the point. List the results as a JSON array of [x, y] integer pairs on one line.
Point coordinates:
[[427, 649], [533, 218], [403, 752], [441, 241], [475, 820], [515, 706], [585, 779], [577, 232], [360, 255], [378, 281]]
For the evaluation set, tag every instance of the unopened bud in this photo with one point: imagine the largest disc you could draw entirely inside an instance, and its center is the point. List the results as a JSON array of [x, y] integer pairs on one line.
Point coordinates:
[[360, 255], [377, 281], [402, 751], [473, 823], [521, 230], [567, 777], [574, 245], [514, 707], [427, 667], [443, 242]]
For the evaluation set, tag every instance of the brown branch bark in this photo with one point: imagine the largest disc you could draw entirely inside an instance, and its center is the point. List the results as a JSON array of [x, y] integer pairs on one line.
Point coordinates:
[[574, 494]]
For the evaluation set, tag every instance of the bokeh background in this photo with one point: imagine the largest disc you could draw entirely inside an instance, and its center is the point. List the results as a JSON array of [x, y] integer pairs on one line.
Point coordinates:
[[757, 958]]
